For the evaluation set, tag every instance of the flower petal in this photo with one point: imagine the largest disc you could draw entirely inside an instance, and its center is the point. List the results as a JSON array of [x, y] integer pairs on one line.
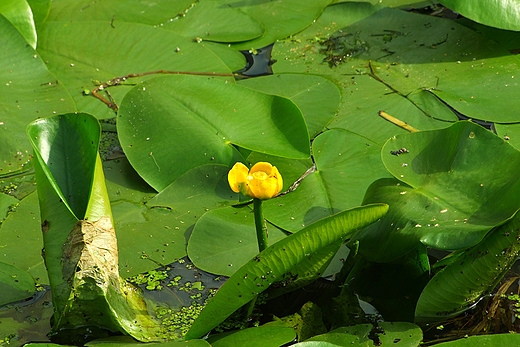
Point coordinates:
[[237, 177], [262, 166]]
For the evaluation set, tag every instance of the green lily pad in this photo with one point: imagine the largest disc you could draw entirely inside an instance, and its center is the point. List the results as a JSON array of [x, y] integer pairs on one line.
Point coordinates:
[[317, 97], [15, 284], [280, 18], [212, 20], [494, 340], [40, 10], [271, 334], [26, 218], [156, 232], [356, 335], [117, 11], [19, 13], [406, 64], [474, 273], [346, 164], [225, 239], [177, 121], [502, 14], [29, 91], [447, 194], [6, 203], [84, 54], [401, 333]]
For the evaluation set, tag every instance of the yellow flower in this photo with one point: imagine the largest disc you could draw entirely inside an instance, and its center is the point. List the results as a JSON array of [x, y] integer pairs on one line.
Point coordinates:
[[263, 181]]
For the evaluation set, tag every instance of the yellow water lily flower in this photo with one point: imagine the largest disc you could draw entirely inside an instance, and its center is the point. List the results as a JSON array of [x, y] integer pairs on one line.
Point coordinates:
[[263, 181]]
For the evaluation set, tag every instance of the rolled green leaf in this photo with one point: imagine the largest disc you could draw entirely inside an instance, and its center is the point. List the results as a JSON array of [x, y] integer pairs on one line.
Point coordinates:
[[79, 238]]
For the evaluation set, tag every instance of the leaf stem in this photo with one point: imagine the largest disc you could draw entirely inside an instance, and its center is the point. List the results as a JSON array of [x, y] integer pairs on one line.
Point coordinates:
[[261, 227]]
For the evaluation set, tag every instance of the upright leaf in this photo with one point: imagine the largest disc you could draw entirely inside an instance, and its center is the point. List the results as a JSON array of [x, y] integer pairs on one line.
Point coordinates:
[[79, 238], [474, 273], [276, 262]]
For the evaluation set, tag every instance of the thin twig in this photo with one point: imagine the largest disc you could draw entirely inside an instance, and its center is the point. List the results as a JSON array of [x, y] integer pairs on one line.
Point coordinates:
[[398, 122], [119, 80]]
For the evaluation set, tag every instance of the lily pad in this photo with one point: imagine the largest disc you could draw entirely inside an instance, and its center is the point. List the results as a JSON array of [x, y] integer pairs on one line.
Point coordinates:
[[84, 54], [19, 13], [15, 284], [225, 239], [502, 14], [276, 261], [29, 91], [346, 164], [474, 273], [212, 20], [280, 18], [25, 218], [271, 334], [167, 119], [156, 232], [447, 194], [317, 97], [407, 64]]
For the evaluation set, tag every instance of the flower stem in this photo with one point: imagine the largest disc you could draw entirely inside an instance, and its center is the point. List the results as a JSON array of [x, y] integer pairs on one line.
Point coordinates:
[[261, 227]]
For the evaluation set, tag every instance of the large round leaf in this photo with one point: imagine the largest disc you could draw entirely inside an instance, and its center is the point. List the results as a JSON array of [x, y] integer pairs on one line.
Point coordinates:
[[225, 239], [504, 14], [168, 119], [346, 164], [152, 229], [417, 60], [317, 97], [83, 54], [208, 20], [215, 21], [20, 15], [447, 194], [138, 11], [28, 91], [280, 18], [272, 334], [15, 284], [22, 227]]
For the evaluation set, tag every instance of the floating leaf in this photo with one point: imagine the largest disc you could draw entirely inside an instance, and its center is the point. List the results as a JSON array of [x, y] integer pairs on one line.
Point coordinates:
[[280, 18], [448, 194], [271, 334], [317, 97], [23, 227], [19, 13], [502, 14], [28, 91], [156, 232], [15, 284], [167, 119], [223, 240], [84, 54], [494, 340], [346, 164]]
